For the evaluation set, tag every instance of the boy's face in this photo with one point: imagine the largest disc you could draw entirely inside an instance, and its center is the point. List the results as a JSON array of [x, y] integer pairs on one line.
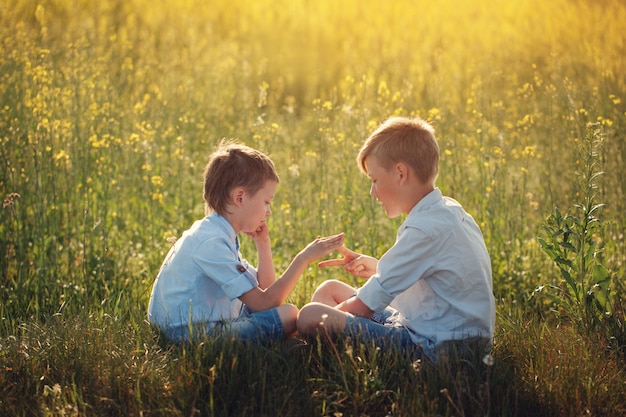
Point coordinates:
[[255, 209], [385, 186]]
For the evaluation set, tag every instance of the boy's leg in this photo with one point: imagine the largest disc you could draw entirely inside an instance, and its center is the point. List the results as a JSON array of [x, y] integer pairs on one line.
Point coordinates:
[[314, 316], [288, 314], [277, 323], [332, 292]]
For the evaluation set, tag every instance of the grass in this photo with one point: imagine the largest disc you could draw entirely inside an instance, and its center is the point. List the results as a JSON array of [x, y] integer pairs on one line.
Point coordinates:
[[108, 111], [105, 366]]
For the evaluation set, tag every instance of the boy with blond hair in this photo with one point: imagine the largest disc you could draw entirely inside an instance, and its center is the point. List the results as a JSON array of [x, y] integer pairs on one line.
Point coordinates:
[[434, 285], [204, 286]]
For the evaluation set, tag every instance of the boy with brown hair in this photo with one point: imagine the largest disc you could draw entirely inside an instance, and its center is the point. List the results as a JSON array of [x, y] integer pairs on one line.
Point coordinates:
[[204, 286], [434, 285]]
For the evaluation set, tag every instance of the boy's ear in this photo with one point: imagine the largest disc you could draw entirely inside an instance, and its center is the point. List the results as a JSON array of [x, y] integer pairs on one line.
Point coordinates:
[[402, 170], [236, 196]]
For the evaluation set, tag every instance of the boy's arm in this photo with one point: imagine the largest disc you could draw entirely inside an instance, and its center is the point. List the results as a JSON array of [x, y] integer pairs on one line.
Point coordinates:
[[259, 299], [265, 268], [355, 306]]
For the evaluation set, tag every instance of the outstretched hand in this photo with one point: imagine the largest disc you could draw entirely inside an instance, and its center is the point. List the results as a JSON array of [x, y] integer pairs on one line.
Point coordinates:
[[358, 265], [322, 246]]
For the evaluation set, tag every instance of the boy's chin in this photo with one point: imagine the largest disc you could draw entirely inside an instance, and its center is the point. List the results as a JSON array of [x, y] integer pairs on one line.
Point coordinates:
[[391, 214]]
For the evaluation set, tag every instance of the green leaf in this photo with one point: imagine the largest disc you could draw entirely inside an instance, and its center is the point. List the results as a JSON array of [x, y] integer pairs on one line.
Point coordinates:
[[548, 248], [596, 175], [599, 291], [596, 207], [568, 246], [570, 281], [557, 214], [567, 262]]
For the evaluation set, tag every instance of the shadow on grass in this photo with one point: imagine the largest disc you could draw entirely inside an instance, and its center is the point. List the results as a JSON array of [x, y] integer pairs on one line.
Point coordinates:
[[105, 366]]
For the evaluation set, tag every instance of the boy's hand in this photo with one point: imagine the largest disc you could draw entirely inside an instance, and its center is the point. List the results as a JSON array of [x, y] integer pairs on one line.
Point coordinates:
[[358, 265], [260, 235], [322, 246]]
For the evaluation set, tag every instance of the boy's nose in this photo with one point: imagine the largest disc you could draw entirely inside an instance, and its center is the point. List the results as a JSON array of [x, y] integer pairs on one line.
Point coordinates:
[[372, 191]]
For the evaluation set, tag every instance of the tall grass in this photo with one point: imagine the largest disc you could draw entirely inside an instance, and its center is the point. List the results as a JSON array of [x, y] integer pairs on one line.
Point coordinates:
[[108, 111]]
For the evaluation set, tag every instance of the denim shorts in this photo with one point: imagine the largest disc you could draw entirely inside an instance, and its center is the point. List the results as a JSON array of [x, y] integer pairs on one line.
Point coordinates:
[[381, 329], [261, 326]]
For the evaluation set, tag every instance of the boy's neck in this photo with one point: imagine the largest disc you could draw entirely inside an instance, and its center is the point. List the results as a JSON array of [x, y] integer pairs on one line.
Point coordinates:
[[421, 191]]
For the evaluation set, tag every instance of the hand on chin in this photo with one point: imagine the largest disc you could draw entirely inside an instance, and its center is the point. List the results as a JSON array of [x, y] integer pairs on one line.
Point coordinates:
[[258, 232]]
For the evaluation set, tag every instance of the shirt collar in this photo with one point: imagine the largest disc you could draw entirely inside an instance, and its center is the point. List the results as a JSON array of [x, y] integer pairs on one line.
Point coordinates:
[[224, 225]]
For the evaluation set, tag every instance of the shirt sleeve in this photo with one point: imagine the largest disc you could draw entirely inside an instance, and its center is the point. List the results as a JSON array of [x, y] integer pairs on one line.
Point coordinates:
[[409, 260], [221, 264]]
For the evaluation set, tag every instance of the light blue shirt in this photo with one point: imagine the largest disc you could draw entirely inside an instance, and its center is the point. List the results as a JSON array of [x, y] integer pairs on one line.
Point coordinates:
[[437, 275], [202, 277]]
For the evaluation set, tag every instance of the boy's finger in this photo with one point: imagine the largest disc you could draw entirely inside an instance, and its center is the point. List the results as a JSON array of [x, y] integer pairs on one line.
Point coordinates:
[[338, 237], [331, 262], [347, 252]]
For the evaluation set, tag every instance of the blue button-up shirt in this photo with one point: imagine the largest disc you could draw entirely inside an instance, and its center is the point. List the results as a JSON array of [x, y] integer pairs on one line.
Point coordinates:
[[437, 275], [202, 277]]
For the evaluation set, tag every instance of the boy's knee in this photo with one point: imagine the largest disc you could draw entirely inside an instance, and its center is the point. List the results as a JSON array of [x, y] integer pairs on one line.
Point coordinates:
[[315, 315], [328, 284], [308, 319], [324, 287], [326, 292], [288, 314]]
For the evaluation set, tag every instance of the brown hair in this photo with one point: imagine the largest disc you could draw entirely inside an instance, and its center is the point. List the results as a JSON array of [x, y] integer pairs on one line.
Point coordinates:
[[401, 139], [234, 165]]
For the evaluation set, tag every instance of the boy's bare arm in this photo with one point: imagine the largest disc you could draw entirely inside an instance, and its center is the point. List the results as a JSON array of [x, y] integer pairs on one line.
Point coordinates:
[[259, 299], [266, 274], [355, 306]]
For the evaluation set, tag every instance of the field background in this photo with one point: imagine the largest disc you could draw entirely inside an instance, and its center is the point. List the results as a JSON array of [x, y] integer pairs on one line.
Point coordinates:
[[108, 111]]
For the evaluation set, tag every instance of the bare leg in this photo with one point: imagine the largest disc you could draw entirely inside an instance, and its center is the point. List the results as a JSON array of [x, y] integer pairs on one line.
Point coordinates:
[[314, 316], [288, 314], [332, 292]]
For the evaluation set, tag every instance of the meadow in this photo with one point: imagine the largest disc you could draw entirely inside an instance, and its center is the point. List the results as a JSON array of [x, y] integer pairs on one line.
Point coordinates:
[[109, 110]]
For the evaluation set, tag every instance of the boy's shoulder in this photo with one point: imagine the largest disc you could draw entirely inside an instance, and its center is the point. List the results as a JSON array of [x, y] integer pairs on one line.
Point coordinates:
[[203, 238], [208, 228], [439, 215], [214, 226]]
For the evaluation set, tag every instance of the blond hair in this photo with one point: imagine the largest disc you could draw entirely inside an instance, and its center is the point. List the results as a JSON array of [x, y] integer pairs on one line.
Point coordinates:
[[234, 165], [401, 139]]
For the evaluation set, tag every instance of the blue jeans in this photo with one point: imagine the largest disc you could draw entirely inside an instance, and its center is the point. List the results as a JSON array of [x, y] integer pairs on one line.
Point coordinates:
[[250, 326], [380, 328]]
